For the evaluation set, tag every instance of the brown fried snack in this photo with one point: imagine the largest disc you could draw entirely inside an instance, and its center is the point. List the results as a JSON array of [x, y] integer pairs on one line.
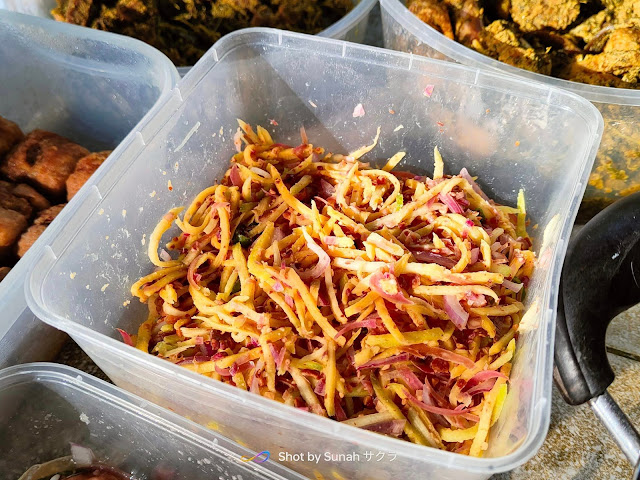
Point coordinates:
[[533, 15], [10, 134], [40, 224], [12, 224], [84, 169], [433, 13], [501, 41], [37, 201], [44, 160], [185, 29], [10, 201]]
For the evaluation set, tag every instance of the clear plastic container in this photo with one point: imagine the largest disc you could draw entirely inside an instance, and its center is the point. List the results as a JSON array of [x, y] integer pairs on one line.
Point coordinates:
[[352, 27], [44, 407], [615, 172], [512, 133], [90, 86]]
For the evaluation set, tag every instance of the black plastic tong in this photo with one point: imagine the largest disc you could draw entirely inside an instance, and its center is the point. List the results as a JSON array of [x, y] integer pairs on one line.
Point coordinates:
[[600, 278]]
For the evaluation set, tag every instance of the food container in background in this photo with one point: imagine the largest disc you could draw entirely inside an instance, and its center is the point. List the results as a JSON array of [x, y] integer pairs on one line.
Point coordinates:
[[44, 407], [90, 86], [352, 27], [616, 171], [489, 123]]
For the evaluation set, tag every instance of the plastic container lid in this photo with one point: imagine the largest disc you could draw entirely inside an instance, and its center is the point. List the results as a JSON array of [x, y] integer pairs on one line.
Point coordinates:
[[512, 133], [44, 407], [90, 86]]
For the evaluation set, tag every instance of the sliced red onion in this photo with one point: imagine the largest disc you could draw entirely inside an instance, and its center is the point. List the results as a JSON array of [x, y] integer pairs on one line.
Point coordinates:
[[303, 135], [368, 386], [255, 385], [402, 357], [450, 202], [457, 314], [465, 174], [431, 397], [199, 340], [326, 189], [375, 284], [514, 287], [485, 386], [235, 177], [323, 259], [341, 416], [410, 378], [194, 359], [428, 257], [393, 428], [278, 356], [164, 255], [369, 322], [437, 352], [278, 287], [237, 140], [222, 371], [82, 456], [439, 410], [289, 300], [475, 254], [320, 387], [330, 240], [482, 376], [126, 338]]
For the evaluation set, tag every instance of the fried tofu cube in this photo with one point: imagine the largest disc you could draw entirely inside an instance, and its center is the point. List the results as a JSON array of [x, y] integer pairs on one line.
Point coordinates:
[[45, 160], [84, 169], [10, 134]]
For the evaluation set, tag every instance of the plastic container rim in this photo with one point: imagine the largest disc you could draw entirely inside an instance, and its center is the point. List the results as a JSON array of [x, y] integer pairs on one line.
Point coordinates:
[[460, 53], [580, 106]]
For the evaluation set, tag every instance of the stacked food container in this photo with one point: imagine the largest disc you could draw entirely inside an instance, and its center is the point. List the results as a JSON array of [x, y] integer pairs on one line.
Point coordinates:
[[173, 140]]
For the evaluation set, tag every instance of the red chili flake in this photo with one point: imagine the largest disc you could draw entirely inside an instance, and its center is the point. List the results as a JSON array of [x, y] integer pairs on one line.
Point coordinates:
[[440, 124], [273, 122], [517, 143], [392, 111]]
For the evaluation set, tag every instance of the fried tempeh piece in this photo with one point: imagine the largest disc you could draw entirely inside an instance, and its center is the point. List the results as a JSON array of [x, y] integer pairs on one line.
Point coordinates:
[[44, 160], [84, 169]]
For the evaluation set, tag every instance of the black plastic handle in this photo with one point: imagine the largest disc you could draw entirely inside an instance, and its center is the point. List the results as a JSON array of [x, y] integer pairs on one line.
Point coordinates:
[[600, 278]]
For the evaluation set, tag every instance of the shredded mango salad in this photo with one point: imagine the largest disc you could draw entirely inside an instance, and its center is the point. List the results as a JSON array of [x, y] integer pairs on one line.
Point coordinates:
[[381, 299]]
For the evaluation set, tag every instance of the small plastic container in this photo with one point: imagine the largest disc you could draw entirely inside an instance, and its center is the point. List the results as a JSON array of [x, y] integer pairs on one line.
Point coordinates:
[[513, 133], [619, 154], [44, 407], [90, 86]]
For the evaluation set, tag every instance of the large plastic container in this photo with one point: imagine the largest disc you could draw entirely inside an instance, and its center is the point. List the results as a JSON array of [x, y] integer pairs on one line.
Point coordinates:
[[44, 407], [615, 172], [512, 133], [90, 86]]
